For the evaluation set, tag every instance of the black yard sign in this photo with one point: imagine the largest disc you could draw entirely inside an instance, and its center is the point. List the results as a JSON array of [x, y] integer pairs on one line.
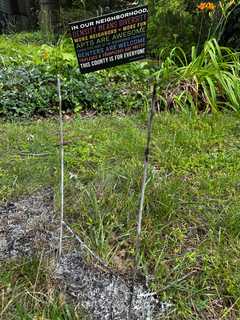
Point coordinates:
[[111, 40]]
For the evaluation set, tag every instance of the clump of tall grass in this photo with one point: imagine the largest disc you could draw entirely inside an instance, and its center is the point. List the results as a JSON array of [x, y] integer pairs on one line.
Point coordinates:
[[209, 82]]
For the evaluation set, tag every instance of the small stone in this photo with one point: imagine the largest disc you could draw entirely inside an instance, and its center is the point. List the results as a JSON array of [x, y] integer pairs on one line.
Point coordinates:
[[3, 245]]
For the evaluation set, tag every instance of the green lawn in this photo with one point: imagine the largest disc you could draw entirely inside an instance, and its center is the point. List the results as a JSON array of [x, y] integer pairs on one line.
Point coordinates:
[[191, 222]]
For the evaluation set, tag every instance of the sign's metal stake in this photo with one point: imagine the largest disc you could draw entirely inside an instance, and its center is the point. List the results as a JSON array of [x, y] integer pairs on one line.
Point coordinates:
[[62, 166], [142, 197], [146, 163]]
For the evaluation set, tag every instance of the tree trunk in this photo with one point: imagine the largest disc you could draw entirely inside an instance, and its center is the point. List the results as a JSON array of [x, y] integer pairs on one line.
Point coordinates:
[[50, 16]]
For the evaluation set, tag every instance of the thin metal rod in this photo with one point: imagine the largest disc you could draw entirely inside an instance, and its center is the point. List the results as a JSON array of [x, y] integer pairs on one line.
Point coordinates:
[[142, 197], [145, 175], [62, 166]]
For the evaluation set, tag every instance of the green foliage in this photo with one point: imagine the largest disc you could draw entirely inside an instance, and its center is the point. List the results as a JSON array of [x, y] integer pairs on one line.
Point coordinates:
[[28, 81], [180, 23], [31, 91], [231, 31], [28, 293], [209, 82], [171, 24]]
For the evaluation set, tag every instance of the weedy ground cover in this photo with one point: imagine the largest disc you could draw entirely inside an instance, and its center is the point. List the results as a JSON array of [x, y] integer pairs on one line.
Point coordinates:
[[191, 223], [205, 81], [28, 81], [27, 293]]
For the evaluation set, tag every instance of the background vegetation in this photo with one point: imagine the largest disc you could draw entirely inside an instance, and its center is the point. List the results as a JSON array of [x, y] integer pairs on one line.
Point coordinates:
[[37, 65]]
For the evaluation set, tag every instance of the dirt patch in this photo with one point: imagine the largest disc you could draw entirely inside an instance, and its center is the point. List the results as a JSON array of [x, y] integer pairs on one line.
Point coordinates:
[[106, 295], [29, 226]]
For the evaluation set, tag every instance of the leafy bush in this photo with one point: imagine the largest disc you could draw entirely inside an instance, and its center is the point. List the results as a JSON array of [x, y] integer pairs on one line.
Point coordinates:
[[171, 24], [28, 81], [29, 91], [187, 23], [209, 82]]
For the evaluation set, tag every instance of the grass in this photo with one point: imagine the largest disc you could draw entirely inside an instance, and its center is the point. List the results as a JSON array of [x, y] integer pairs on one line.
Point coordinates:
[[27, 293], [190, 240]]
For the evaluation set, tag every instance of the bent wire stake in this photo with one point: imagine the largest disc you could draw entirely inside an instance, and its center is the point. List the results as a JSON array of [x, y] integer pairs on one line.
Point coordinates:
[[62, 166], [142, 197]]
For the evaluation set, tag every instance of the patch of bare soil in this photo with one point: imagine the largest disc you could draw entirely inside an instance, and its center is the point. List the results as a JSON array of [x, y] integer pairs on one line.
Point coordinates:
[[29, 226], [106, 295]]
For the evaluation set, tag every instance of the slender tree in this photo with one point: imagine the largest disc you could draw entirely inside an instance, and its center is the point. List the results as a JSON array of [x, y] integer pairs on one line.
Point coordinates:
[[50, 16]]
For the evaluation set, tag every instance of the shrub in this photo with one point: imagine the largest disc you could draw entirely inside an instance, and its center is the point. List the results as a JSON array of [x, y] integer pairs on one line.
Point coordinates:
[[32, 91], [209, 82], [28, 81]]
